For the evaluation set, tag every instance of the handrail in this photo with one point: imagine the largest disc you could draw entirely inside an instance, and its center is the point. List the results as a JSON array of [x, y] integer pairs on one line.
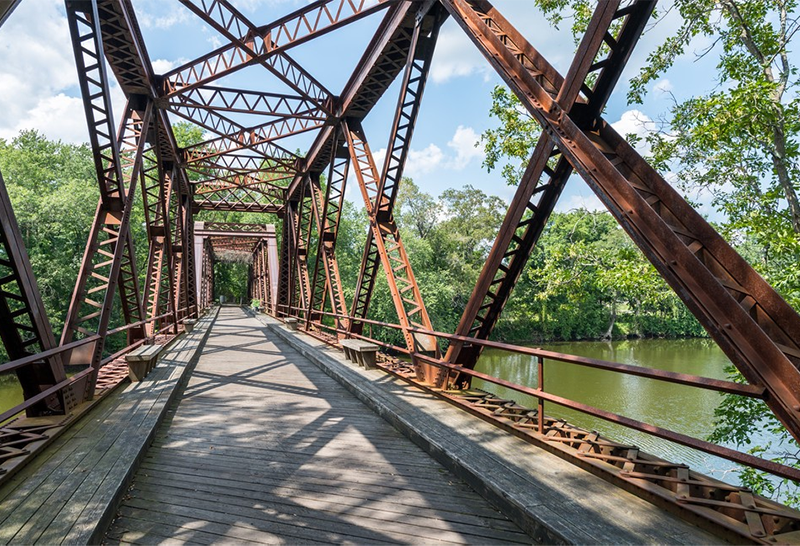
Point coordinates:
[[30, 359], [539, 393], [42, 395], [135, 324], [721, 385]]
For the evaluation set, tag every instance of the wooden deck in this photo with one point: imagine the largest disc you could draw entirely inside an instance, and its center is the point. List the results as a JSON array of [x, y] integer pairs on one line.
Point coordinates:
[[264, 447], [66, 494]]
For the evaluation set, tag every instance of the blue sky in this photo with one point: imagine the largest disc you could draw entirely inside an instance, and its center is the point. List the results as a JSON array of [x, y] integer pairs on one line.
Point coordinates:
[[38, 82]]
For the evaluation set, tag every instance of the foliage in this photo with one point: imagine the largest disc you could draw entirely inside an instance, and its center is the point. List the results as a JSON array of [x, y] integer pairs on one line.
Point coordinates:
[[230, 281], [584, 271], [512, 142], [53, 188]]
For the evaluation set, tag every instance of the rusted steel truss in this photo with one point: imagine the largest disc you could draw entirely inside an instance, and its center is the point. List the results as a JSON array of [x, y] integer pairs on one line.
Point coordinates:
[[246, 165], [212, 240], [755, 327], [24, 327], [548, 170]]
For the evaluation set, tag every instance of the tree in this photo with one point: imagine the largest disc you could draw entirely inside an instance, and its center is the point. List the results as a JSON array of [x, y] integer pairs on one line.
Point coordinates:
[[53, 188]]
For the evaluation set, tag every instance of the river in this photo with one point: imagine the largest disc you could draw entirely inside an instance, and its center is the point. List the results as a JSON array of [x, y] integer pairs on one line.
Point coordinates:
[[10, 391], [680, 408]]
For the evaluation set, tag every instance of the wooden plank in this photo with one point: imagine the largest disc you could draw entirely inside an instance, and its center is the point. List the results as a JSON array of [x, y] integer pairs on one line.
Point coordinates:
[[332, 502], [287, 527], [326, 515], [129, 529], [362, 489], [347, 493], [81, 474], [144, 353], [263, 440]]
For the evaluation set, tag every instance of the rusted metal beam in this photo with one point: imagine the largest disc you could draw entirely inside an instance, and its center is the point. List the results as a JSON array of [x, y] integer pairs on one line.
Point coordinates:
[[260, 139], [24, 327], [264, 44], [383, 194], [108, 261], [548, 171], [301, 234], [327, 209], [384, 58], [403, 286], [752, 324], [261, 103], [380, 192]]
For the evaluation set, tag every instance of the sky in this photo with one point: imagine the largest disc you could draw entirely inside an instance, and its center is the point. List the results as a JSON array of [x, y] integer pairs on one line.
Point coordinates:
[[39, 88]]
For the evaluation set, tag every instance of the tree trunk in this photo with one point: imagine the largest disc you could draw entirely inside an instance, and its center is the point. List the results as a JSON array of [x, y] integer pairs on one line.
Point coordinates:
[[612, 321], [782, 171]]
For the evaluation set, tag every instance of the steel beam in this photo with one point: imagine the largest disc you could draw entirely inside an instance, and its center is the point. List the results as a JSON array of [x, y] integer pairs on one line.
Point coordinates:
[[548, 171], [750, 322], [327, 210], [24, 327], [108, 261], [403, 286], [267, 44]]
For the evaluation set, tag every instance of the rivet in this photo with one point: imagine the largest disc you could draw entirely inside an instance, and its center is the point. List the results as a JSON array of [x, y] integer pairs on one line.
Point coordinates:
[[796, 407], [674, 262], [728, 326]]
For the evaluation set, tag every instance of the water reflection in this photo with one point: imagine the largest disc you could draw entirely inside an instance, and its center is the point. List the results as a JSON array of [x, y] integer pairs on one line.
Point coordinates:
[[10, 391], [680, 408]]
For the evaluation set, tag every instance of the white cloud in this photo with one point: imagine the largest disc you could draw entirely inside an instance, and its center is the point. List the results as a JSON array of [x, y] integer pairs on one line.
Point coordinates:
[[662, 87], [636, 122], [39, 82], [161, 66], [424, 161], [38, 69], [59, 117], [464, 143], [456, 56], [160, 14]]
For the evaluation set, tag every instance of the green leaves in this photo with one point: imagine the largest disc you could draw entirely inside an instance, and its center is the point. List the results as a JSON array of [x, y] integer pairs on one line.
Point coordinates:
[[53, 188], [513, 140]]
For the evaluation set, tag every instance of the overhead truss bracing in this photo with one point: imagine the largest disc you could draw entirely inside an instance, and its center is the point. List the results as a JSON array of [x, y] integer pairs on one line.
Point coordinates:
[[246, 162]]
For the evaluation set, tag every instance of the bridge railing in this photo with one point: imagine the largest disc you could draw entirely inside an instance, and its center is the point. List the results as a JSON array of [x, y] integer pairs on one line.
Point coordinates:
[[74, 381], [543, 396]]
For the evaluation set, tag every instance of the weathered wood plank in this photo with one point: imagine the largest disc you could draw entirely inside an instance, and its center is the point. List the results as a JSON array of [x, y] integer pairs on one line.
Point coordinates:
[[365, 490], [264, 442], [334, 506], [401, 499], [68, 492]]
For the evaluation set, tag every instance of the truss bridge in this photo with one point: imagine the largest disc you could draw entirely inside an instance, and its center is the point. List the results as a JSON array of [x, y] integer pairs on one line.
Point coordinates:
[[159, 414]]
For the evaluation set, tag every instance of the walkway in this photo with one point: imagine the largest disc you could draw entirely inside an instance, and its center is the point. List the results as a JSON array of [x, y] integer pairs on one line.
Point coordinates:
[[265, 448]]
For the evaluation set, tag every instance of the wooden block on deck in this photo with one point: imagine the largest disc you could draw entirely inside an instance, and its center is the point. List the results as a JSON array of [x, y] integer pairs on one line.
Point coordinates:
[[291, 324], [188, 325], [142, 360], [361, 352]]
